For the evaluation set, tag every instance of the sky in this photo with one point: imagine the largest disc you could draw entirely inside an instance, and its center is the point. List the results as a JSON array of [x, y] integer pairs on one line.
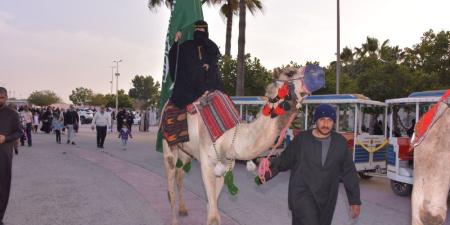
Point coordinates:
[[59, 45]]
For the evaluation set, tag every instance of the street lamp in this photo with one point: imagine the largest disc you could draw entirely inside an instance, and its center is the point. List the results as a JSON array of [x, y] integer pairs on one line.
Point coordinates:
[[338, 54], [117, 84], [112, 78]]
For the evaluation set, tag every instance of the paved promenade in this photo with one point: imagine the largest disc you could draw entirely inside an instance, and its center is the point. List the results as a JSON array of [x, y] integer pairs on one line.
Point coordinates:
[[60, 184]]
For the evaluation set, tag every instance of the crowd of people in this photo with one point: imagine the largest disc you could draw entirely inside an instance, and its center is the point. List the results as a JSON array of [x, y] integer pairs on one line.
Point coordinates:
[[60, 121], [19, 123]]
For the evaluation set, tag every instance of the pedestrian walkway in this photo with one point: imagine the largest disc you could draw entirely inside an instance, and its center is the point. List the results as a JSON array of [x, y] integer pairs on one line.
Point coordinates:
[[59, 184]]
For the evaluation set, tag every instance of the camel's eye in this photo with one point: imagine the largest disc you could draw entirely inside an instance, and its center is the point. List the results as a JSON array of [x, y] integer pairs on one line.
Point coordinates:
[[291, 73]]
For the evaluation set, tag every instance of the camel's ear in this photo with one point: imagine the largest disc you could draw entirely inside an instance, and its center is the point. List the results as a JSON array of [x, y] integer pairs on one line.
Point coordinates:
[[276, 73]]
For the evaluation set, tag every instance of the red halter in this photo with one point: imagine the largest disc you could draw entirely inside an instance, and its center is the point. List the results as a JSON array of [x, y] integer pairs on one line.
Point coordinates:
[[279, 110]]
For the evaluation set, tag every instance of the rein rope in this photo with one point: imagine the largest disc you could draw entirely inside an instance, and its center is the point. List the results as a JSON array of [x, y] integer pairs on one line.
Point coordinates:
[[264, 166], [283, 95]]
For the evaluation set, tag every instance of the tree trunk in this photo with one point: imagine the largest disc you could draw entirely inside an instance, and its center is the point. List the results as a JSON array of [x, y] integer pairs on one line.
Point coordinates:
[[241, 50], [229, 29]]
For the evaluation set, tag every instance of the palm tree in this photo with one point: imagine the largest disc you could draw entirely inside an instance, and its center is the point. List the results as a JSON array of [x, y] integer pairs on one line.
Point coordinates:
[[346, 56], [231, 8], [252, 5], [241, 50]]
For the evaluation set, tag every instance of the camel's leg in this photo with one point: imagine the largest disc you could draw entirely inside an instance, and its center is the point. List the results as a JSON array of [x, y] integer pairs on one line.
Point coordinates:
[[209, 181], [182, 210], [170, 159], [219, 186], [431, 182], [430, 192]]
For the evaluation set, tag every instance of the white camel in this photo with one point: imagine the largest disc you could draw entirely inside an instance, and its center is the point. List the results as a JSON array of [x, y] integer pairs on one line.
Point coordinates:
[[431, 173], [251, 140]]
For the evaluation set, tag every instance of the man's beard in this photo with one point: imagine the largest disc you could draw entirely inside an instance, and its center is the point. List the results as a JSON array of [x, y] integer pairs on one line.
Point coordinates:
[[324, 130]]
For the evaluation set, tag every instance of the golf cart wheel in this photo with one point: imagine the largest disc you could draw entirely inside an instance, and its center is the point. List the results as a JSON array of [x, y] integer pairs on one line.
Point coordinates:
[[402, 189], [364, 176]]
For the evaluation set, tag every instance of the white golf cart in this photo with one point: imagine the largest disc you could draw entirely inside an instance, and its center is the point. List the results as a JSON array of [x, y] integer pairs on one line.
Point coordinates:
[[403, 113], [362, 122]]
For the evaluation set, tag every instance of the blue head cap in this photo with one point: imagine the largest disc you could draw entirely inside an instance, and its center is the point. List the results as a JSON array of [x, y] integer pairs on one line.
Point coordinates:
[[324, 110]]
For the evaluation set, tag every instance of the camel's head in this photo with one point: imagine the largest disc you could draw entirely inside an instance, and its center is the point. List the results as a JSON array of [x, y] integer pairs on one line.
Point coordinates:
[[292, 81]]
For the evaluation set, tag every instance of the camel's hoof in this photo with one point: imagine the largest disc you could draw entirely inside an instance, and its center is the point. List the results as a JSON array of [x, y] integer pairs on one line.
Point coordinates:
[[183, 212]]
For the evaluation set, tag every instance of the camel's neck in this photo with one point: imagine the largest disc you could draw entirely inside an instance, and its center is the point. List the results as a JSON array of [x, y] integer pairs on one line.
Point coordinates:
[[258, 136]]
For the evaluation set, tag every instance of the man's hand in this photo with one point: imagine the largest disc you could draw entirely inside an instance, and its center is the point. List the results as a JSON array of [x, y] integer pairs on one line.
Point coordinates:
[[205, 94], [355, 210], [92, 127], [178, 36], [205, 67], [2, 139]]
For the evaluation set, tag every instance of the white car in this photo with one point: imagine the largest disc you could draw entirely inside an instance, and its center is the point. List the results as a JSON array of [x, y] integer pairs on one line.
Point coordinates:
[[136, 118], [86, 115]]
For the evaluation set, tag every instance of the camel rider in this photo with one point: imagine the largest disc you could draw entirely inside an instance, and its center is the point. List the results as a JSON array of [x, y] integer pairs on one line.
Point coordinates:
[[195, 70]]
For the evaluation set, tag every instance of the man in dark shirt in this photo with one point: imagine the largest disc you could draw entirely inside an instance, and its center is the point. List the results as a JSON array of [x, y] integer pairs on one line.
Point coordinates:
[[71, 121], [193, 66], [318, 160], [121, 119], [10, 131]]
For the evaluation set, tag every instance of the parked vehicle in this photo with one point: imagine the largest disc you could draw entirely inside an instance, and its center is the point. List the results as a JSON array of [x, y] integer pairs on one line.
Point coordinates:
[[86, 115], [136, 118], [403, 113]]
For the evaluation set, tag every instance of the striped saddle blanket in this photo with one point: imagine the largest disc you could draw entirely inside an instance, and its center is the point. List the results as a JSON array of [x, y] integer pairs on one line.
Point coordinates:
[[218, 113]]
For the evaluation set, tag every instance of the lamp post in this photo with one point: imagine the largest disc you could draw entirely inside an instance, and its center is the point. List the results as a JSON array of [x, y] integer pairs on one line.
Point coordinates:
[[117, 84], [112, 78], [338, 52]]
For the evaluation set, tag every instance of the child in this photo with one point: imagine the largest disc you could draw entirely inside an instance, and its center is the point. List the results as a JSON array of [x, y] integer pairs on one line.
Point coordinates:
[[123, 135]]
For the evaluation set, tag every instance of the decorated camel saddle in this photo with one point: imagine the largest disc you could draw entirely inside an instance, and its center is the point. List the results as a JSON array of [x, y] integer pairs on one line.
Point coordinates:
[[429, 119], [216, 110]]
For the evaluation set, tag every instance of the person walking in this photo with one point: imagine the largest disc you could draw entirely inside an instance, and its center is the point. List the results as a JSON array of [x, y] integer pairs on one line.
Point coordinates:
[[10, 131], [318, 160], [71, 120], [47, 120], [124, 133], [36, 121], [129, 119], [58, 124], [121, 119], [27, 120], [101, 122]]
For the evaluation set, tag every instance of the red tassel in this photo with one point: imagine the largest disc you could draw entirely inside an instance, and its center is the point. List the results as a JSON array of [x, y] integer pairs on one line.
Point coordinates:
[[279, 110], [266, 110], [283, 91]]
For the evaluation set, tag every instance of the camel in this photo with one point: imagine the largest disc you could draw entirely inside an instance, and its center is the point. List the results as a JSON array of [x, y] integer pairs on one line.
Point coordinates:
[[243, 142], [431, 173]]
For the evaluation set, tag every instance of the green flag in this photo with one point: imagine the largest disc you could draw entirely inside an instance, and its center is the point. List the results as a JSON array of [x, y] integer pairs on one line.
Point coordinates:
[[184, 14]]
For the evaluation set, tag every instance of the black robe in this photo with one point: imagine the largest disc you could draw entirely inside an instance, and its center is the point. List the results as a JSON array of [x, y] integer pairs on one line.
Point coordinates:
[[11, 128], [313, 188], [192, 80], [46, 122], [120, 120]]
